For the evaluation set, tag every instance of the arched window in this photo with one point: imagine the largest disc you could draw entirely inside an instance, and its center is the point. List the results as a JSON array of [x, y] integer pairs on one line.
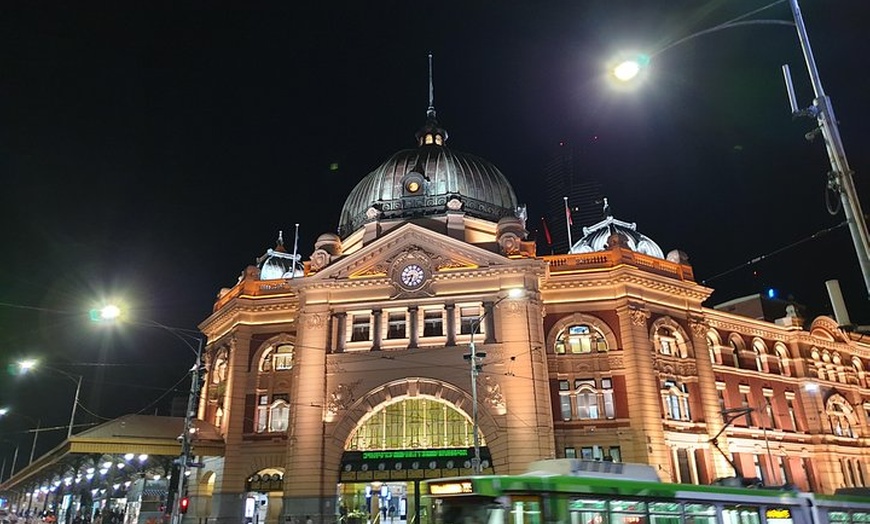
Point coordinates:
[[782, 361], [675, 399], [278, 358], [715, 356], [587, 399], [759, 351], [668, 339], [580, 338], [841, 417], [735, 351], [274, 416]]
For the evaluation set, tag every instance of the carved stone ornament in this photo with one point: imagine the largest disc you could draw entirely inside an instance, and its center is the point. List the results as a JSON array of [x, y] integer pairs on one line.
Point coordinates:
[[493, 396], [639, 315], [372, 213], [509, 243], [320, 259], [314, 321], [699, 327], [340, 399], [454, 204]]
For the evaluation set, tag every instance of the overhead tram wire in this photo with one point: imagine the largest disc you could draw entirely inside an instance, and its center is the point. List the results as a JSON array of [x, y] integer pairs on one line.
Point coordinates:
[[760, 258]]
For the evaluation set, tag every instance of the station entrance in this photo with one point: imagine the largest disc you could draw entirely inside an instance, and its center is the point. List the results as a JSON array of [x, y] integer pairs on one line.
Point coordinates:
[[399, 444]]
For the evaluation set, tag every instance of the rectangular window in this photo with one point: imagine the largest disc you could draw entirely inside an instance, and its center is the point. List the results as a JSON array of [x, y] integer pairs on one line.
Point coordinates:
[[433, 323], [361, 328], [791, 416], [759, 471], [586, 453], [396, 325], [570, 453], [783, 471], [615, 454], [770, 418], [744, 403], [565, 399], [262, 413], [468, 320], [721, 393], [607, 394], [666, 347], [587, 399]]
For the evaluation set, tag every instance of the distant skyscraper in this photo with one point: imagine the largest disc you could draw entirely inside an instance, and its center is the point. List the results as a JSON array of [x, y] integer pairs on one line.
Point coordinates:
[[570, 173]]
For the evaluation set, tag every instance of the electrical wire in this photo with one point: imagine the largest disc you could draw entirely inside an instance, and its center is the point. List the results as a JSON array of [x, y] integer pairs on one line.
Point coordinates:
[[817, 234]]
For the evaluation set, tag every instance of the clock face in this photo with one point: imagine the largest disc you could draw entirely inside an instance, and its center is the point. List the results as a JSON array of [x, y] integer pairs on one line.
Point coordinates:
[[412, 276]]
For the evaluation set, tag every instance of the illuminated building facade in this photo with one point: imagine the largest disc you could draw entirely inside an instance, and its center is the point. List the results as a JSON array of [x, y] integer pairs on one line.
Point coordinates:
[[339, 383]]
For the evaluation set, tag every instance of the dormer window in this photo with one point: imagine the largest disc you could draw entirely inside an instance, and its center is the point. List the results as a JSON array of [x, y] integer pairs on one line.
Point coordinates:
[[412, 184]]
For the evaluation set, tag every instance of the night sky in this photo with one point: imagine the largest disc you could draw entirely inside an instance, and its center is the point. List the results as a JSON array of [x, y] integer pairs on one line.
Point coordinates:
[[149, 152]]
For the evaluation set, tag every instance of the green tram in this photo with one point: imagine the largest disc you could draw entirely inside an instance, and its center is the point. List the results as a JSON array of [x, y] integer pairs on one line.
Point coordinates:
[[571, 491]]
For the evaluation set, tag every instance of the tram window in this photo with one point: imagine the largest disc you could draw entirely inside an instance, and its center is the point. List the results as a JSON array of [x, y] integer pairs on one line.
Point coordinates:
[[700, 514], [588, 511], [525, 511], [860, 517], [664, 512], [627, 512], [740, 515], [838, 516]]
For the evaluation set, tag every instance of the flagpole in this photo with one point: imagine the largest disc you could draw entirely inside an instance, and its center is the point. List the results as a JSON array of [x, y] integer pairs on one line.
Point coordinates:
[[295, 250], [568, 223]]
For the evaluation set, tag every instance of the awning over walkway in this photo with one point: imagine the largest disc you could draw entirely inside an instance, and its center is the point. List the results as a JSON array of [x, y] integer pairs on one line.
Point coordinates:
[[137, 434]]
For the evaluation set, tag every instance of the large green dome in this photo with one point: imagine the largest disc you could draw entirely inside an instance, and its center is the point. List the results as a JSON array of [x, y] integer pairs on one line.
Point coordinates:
[[428, 181]]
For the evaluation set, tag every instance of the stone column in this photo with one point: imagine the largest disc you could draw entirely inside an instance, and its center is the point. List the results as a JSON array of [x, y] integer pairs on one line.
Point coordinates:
[[376, 329], [414, 334], [340, 332], [449, 312], [228, 497], [710, 397], [645, 410]]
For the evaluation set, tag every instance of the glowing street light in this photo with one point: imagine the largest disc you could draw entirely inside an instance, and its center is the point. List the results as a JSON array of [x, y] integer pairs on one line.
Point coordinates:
[[840, 177], [112, 313], [30, 365], [472, 357]]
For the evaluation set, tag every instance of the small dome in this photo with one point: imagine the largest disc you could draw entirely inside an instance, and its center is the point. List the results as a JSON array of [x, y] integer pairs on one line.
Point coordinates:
[[600, 236], [428, 181], [277, 263]]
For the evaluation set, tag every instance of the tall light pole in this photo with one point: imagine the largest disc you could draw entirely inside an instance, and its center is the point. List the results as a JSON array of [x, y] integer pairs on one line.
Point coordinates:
[[112, 313], [29, 365], [472, 357], [840, 178], [841, 174]]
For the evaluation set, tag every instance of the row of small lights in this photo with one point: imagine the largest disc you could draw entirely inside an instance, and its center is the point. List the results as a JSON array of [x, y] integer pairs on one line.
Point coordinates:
[[89, 474]]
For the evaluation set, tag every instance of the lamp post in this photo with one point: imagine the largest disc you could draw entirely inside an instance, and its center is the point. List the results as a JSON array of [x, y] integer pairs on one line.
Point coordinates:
[[112, 313], [840, 178], [472, 357], [29, 365]]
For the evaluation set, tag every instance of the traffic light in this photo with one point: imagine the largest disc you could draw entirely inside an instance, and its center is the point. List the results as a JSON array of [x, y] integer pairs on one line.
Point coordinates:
[[183, 504]]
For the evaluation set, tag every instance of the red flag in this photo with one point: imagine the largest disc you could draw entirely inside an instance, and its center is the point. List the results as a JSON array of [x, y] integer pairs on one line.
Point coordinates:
[[547, 232], [568, 213]]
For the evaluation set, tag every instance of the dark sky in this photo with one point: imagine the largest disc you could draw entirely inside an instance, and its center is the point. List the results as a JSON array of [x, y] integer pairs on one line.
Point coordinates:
[[151, 151]]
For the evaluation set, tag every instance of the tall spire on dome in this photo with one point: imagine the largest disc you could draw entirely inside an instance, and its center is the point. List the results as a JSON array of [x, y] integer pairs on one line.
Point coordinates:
[[431, 133]]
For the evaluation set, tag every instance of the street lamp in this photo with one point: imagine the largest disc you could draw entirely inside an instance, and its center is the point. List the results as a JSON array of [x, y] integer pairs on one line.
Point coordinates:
[[113, 313], [29, 365], [6, 411], [472, 358], [840, 178]]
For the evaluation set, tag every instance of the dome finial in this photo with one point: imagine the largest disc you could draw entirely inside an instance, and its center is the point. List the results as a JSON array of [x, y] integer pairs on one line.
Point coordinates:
[[430, 113], [279, 245], [431, 133]]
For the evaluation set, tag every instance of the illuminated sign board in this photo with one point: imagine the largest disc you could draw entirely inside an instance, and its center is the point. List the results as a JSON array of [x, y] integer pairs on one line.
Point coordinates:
[[414, 454], [450, 488], [778, 516]]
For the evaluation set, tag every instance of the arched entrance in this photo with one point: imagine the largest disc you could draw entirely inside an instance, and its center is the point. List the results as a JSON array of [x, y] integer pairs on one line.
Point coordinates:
[[263, 497], [396, 445]]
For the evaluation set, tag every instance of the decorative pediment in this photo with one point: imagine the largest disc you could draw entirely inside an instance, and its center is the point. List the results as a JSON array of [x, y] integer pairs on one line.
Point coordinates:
[[410, 245]]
